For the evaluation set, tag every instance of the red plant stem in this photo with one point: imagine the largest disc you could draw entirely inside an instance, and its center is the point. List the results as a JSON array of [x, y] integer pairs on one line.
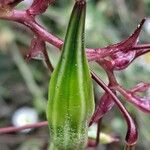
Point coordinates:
[[23, 17], [141, 52], [47, 60], [132, 133], [141, 46], [15, 129]]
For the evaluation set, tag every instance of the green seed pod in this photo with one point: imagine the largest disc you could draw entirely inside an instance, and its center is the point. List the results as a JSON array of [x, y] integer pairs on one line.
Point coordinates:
[[71, 101]]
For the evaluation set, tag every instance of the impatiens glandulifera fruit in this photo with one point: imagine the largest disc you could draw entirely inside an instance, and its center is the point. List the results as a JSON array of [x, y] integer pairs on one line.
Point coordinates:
[[71, 100]]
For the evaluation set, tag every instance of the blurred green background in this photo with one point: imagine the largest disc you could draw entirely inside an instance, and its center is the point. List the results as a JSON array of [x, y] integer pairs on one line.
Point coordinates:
[[25, 83]]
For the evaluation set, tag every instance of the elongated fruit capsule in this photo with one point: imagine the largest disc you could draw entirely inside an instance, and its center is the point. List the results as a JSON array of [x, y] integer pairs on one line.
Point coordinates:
[[71, 102]]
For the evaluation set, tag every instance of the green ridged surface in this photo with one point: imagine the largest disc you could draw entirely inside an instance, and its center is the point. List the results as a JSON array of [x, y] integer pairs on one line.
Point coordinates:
[[71, 102]]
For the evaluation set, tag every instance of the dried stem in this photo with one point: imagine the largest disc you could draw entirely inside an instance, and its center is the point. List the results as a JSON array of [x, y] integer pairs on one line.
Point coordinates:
[[47, 60]]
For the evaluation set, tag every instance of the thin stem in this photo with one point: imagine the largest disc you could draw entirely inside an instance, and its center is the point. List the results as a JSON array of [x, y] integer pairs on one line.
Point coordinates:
[[16, 129], [132, 134], [47, 60], [45, 35], [141, 103], [22, 17], [142, 52], [141, 46], [98, 132]]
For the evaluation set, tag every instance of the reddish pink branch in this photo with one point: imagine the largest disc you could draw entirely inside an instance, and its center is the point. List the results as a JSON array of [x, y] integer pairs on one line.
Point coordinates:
[[23, 18], [141, 46], [93, 54], [29, 21], [15, 129], [132, 133], [142, 103]]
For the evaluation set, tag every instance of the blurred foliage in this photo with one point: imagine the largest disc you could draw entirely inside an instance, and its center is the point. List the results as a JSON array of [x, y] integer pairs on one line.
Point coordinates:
[[25, 83]]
